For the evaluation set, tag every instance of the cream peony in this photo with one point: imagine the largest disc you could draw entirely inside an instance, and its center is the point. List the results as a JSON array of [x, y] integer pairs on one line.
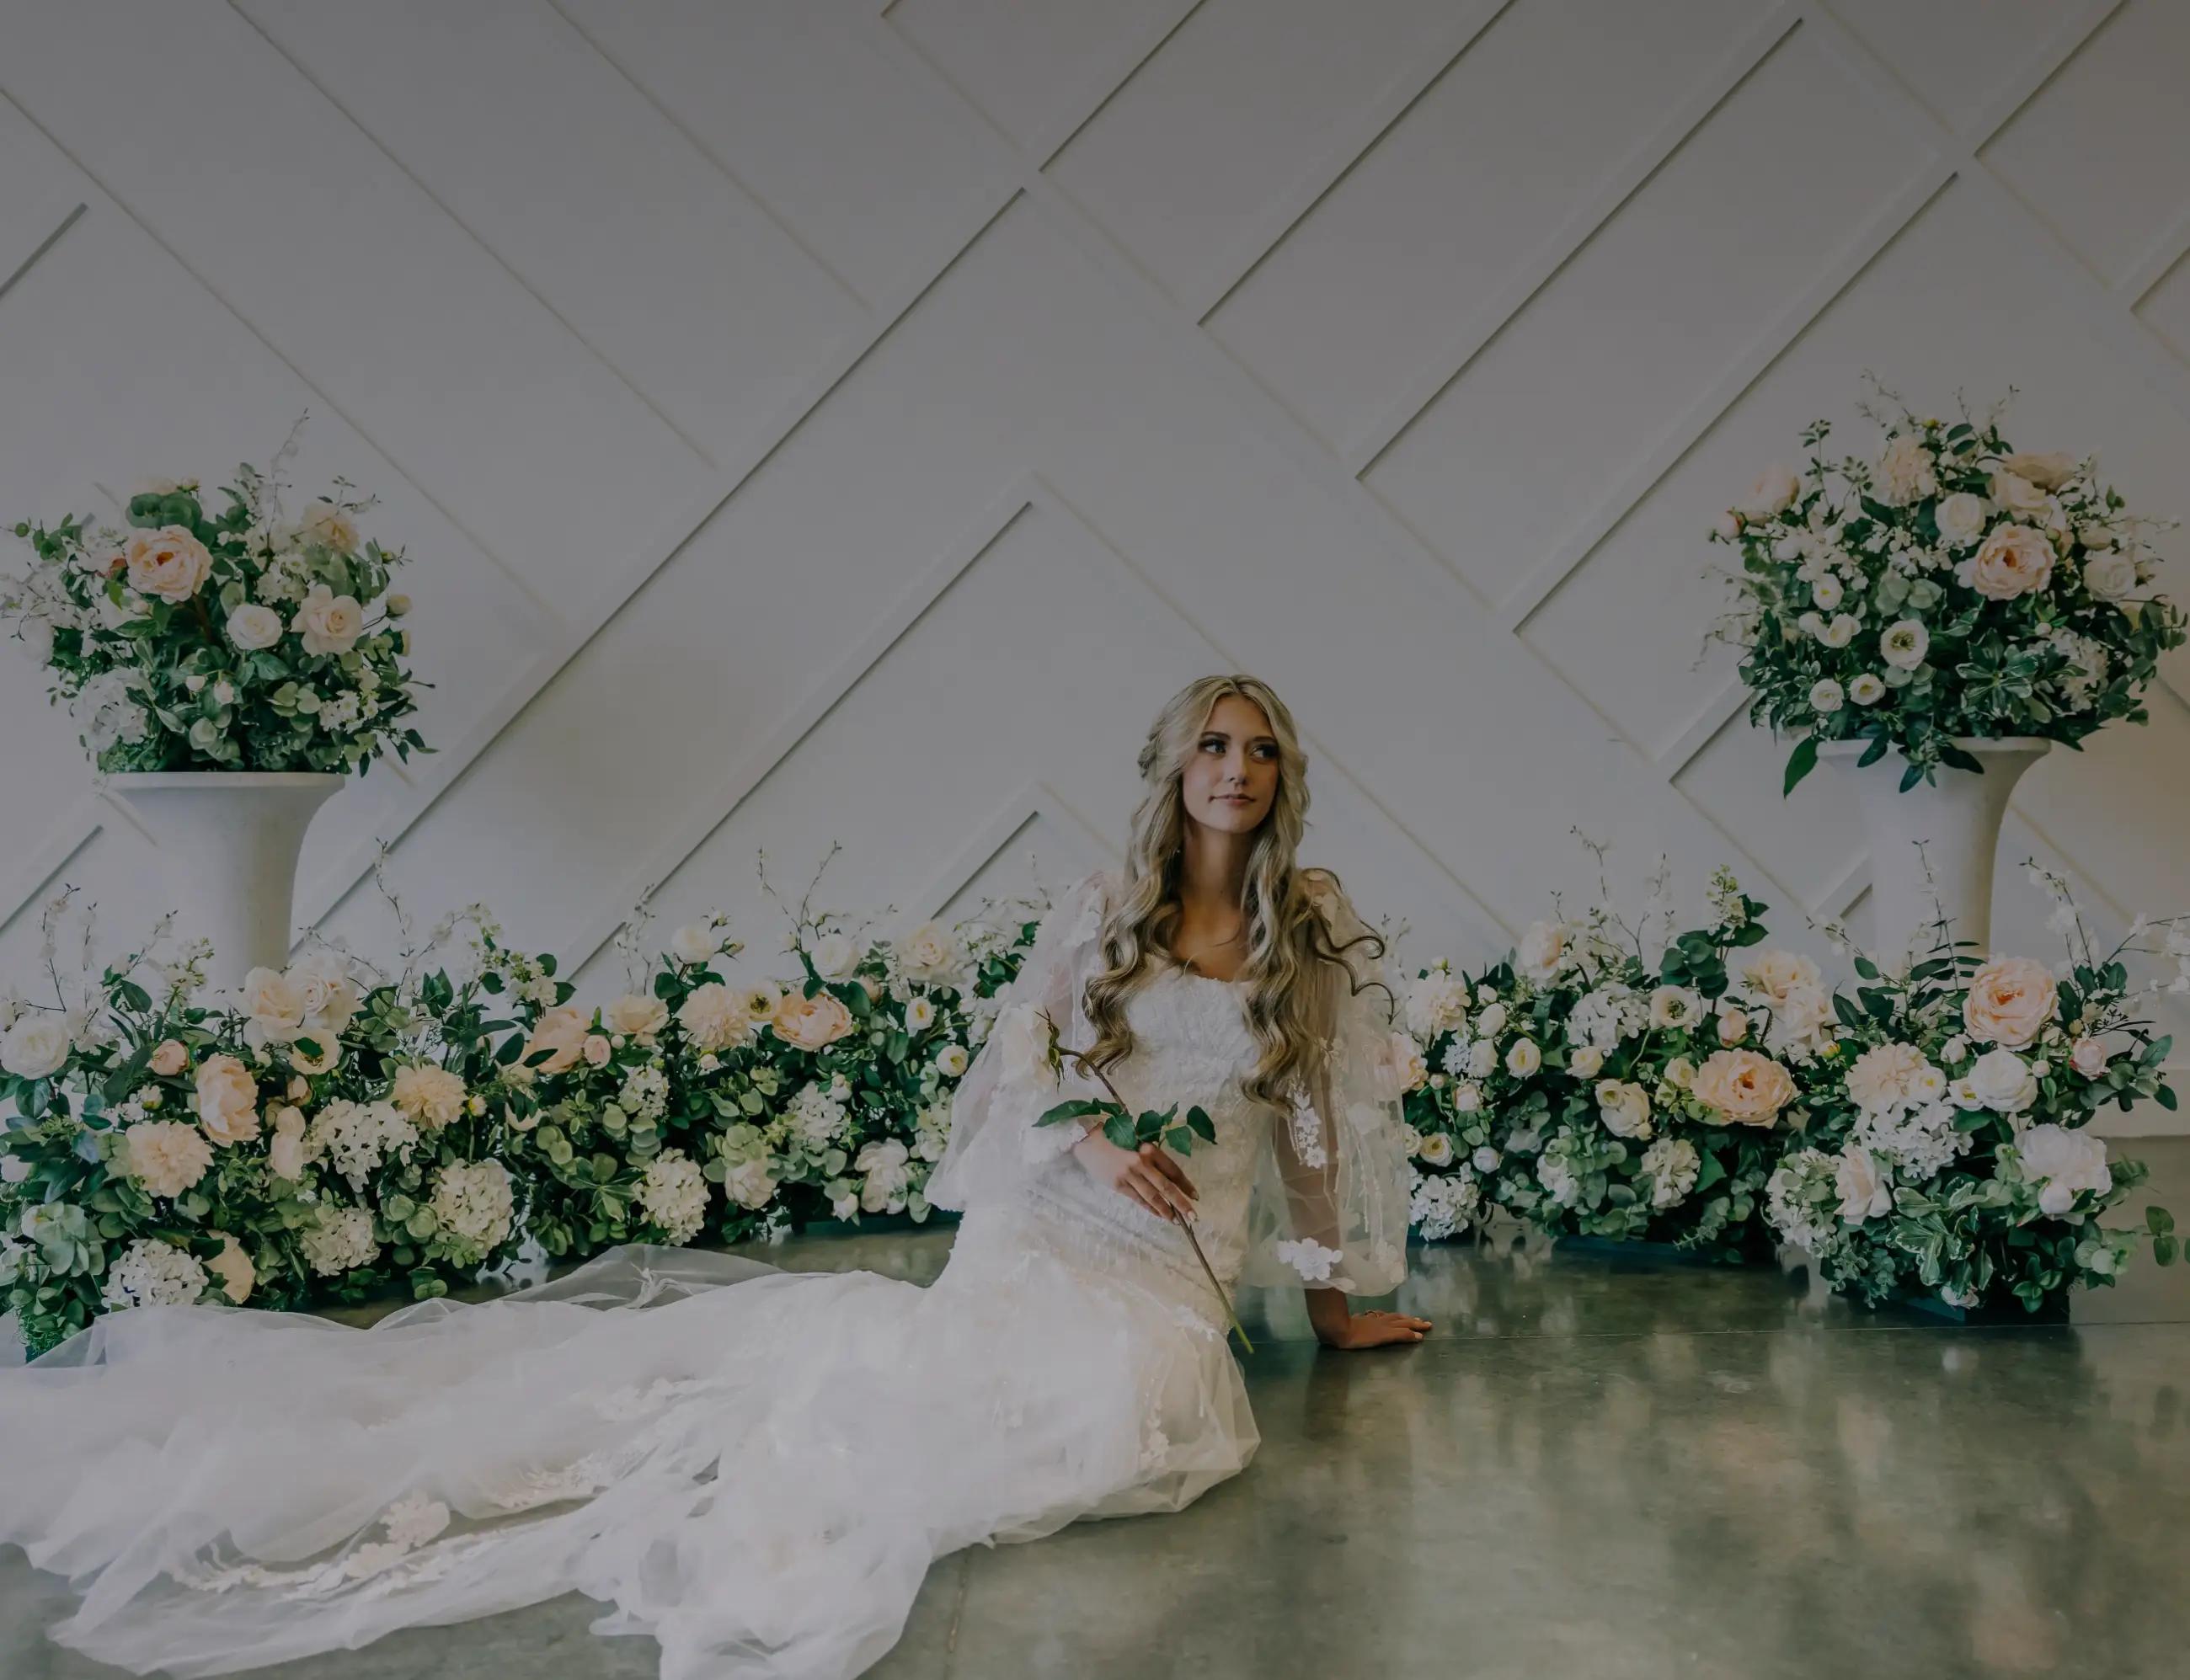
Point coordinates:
[[2048, 472], [1886, 1078], [561, 1032], [169, 563], [2066, 1160], [597, 1050], [228, 1099], [328, 623], [36, 1045], [1905, 473], [2014, 560], [1436, 1003], [232, 1268], [1743, 1087], [432, 1096], [713, 1017], [636, 1016], [1541, 950], [929, 952], [1963, 517], [252, 627], [2011, 1001], [2019, 496], [811, 1023], [167, 1156], [276, 1005], [1625, 1108], [1774, 493]]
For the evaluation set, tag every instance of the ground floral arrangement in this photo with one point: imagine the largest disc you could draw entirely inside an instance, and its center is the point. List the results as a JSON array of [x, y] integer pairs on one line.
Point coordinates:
[[232, 637], [333, 1133], [1919, 1134], [1955, 586]]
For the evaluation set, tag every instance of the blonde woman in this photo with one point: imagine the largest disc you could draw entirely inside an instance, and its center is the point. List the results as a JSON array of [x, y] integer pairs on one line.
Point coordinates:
[[755, 1466]]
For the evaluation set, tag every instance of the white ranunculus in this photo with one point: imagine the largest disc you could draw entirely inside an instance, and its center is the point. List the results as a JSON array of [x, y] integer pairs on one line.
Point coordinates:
[[2067, 1161], [36, 1045], [1866, 1192], [1436, 1149], [1523, 1058], [2110, 575], [1674, 1008], [1868, 689], [919, 1015], [1963, 518], [1584, 1060], [1827, 697], [951, 1061], [1828, 592], [2002, 1081], [1903, 644], [1840, 630], [251, 626]]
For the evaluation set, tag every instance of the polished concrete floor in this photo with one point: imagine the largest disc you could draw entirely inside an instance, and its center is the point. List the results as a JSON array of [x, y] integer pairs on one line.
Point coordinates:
[[1594, 1469]]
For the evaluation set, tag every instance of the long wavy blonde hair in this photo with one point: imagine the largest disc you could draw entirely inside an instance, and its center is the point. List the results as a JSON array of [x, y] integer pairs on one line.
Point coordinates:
[[1294, 964]]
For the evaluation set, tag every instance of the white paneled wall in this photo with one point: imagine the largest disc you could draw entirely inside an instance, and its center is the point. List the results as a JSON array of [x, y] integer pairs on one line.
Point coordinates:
[[820, 422]]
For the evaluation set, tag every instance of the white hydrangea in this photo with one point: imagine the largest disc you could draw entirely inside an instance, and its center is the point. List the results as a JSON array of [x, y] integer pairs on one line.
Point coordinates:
[[2087, 664], [151, 1273], [674, 1193], [1793, 1204], [817, 1116], [358, 1137], [644, 1094], [1443, 1204], [1604, 1016], [931, 1133], [473, 1200], [1670, 1165], [341, 1241], [1922, 1144]]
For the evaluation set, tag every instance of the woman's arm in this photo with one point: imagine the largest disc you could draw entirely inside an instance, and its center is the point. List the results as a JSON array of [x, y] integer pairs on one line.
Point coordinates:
[[1338, 1326]]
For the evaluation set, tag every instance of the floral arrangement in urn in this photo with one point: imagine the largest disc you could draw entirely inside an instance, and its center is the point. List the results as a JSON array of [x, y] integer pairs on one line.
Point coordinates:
[[230, 639], [1953, 588], [1947, 1152], [1598, 1088]]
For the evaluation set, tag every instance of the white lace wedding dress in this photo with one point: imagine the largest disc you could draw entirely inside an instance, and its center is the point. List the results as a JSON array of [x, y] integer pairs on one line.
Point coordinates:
[[755, 1466]]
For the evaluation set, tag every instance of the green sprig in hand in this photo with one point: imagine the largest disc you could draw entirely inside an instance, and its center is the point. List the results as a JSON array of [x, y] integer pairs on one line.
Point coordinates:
[[1129, 1130]]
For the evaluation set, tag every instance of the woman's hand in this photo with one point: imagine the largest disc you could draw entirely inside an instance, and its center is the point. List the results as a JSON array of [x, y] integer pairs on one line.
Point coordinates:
[[1148, 1174], [1338, 1326]]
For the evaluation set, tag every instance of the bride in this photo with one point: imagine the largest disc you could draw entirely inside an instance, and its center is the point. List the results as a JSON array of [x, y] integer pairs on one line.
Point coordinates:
[[757, 1467]]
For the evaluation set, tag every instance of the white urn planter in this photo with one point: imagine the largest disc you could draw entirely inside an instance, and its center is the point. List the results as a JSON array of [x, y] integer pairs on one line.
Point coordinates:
[[1956, 818], [228, 842]]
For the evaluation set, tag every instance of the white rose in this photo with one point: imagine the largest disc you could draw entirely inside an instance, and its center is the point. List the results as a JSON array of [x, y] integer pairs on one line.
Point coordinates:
[[328, 623], [2002, 1081], [1584, 1061], [637, 1016], [835, 955], [1903, 644], [1962, 518], [276, 1005], [696, 941], [1868, 689], [36, 1045], [929, 952], [2110, 575], [2019, 496], [1623, 1107], [251, 626], [1485, 1159], [1774, 493], [1864, 1193], [1827, 696], [1523, 1058]]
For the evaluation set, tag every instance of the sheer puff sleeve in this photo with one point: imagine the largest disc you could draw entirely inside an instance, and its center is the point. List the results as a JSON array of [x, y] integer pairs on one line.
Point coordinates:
[[994, 1143], [1330, 1207]]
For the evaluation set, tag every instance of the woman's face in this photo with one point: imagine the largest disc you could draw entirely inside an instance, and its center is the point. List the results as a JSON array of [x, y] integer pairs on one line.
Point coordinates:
[[1232, 779]]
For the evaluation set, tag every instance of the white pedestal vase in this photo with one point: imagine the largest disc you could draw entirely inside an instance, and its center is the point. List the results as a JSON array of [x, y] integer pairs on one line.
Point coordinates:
[[1956, 817], [228, 843]]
